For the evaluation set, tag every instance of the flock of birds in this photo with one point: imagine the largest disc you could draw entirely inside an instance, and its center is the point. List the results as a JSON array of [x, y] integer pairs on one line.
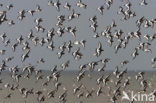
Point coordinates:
[[115, 39]]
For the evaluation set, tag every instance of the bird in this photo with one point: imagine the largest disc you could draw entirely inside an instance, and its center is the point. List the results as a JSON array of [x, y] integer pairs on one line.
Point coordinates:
[[60, 54], [50, 3], [51, 94], [100, 79], [109, 3], [83, 42], [80, 4], [94, 26], [100, 9], [106, 79], [67, 6], [65, 65], [31, 12], [99, 91], [38, 8], [25, 56], [14, 46], [11, 23], [35, 40], [77, 54], [9, 6], [3, 37], [39, 38], [21, 15], [57, 5], [38, 21], [135, 53], [143, 3], [20, 39], [98, 50], [76, 89], [73, 31]]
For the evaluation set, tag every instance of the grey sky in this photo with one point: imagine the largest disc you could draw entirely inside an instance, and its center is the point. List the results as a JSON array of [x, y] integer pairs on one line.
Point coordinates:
[[49, 15]]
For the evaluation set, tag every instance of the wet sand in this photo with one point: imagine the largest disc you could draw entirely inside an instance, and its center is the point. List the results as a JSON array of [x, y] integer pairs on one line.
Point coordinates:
[[68, 79]]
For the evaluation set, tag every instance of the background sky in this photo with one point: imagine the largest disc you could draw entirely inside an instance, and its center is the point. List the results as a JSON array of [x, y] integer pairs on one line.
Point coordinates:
[[49, 15]]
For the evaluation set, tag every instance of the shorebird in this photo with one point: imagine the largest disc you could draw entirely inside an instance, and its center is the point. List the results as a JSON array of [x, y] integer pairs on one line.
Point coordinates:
[[51, 46], [80, 4], [113, 99], [144, 85], [39, 28], [31, 12], [51, 94], [90, 93], [35, 40], [143, 3], [135, 53], [83, 42], [69, 46], [67, 6], [50, 3], [94, 26], [128, 5], [153, 62], [126, 83], [41, 99], [8, 96], [57, 85], [113, 24], [81, 94], [76, 89], [98, 50], [14, 46], [121, 11], [21, 14], [100, 9], [11, 23], [57, 5], [41, 61], [54, 69], [118, 82], [140, 75], [20, 39], [99, 91], [116, 72], [9, 6], [80, 76], [3, 37], [109, 3], [60, 54], [42, 41], [24, 56], [60, 31], [93, 19], [30, 35], [38, 8], [106, 79], [100, 79], [7, 42], [2, 52], [73, 31], [9, 59], [102, 68], [77, 54], [124, 63], [65, 65], [38, 21]]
